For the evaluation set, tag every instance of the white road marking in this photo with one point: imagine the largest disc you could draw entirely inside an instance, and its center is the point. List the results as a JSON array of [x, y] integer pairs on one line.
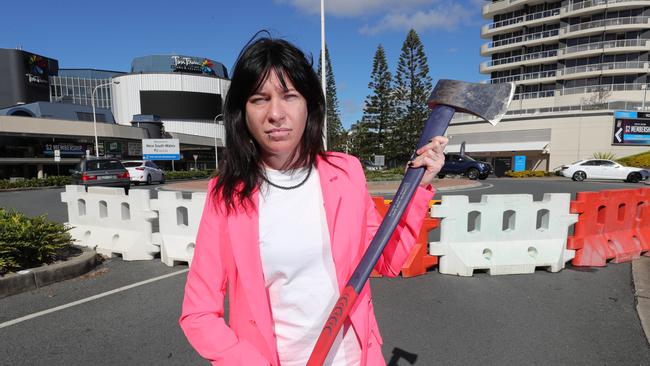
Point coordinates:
[[88, 299]]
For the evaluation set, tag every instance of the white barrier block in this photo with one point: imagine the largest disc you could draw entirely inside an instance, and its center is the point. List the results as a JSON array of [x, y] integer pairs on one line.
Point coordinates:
[[110, 221], [179, 223], [503, 234]]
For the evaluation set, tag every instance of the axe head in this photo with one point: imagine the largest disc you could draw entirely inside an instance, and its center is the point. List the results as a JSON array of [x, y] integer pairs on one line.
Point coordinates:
[[487, 101]]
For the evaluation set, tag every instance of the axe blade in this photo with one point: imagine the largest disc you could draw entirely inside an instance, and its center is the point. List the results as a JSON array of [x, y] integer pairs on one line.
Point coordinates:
[[487, 101]]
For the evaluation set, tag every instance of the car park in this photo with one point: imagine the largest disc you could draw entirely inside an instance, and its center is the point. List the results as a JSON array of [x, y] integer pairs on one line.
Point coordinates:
[[602, 169], [465, 165], [144, 171], [105, 172]]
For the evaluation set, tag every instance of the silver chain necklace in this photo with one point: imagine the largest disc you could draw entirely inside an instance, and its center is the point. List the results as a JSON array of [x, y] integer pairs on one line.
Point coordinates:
[[290, 187]]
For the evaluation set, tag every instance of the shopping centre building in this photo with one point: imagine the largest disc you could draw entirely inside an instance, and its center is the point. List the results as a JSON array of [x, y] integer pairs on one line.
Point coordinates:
[[575, 64], [44, 108]]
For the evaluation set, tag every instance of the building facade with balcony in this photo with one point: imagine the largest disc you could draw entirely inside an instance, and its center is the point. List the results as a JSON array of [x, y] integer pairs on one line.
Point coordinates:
[[574, 62]]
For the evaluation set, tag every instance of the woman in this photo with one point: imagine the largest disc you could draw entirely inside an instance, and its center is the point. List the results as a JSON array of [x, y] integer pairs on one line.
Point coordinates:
[[286, 223]]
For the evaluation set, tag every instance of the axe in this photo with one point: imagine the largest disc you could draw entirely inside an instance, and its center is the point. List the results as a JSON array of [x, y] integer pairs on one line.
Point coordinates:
[[487, 101]]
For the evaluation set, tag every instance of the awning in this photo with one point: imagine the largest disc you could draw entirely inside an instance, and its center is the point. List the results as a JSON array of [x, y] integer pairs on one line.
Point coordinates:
[[500, 146]]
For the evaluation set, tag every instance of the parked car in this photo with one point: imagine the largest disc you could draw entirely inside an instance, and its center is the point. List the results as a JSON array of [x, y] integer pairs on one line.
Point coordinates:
[[144, 171], [465, 165], [602, 169], [107, 172]]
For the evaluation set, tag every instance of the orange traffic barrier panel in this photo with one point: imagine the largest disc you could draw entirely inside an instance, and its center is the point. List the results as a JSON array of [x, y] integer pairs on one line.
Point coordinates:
[[607, 228], [419, 260], [382, 208], [643, 220]]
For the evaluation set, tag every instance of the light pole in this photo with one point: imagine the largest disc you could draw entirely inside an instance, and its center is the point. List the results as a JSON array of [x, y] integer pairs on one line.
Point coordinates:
[[216, 158], [92, 101], [322, 67], [645, 88]]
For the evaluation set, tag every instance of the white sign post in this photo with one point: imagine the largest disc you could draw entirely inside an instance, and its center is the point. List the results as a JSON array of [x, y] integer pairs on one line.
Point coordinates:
[[161, 149], [57, 155]]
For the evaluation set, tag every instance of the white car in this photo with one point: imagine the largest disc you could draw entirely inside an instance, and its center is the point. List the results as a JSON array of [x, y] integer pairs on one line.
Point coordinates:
[[602, 169], [144, 171]]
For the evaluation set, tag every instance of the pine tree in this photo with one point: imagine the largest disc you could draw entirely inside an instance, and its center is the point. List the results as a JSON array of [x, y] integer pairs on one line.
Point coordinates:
[[412, 89], [360, 141], [378, 113], [335, 130]]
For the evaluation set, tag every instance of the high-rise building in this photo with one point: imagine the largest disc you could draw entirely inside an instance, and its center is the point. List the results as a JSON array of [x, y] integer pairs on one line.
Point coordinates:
[[574, 63]]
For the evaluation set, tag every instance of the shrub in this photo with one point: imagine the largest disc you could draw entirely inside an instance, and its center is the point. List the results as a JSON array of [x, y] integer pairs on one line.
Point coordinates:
[[52, 181], [604, 155], [189, 174], [527, 173], [388, 174], [29, 242], [641, 160]]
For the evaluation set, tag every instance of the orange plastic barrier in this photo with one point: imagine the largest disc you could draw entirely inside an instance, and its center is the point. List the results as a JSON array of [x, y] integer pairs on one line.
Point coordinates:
[[608, 226], [419, 259], [643, 222]]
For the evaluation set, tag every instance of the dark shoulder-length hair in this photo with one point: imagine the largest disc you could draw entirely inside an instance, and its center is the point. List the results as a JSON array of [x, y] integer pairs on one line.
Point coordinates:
[[241, 171]]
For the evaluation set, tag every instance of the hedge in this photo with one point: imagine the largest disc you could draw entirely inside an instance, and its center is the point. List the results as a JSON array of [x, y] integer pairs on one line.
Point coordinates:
[[29, 242], [388, 174], [527, 173], [641, 160], [60, 181]]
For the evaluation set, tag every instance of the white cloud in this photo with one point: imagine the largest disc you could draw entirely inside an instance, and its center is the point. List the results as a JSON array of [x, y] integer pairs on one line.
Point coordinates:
[[352, 8], [448, 17]]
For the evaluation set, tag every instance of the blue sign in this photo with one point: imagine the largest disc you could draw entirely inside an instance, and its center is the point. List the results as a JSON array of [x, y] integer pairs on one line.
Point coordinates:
[[625, 114], [520, 163], [161, 156]]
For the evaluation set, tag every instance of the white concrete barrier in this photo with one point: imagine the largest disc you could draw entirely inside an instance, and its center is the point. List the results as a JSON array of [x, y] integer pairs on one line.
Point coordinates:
[[503, 234], [179, 222], [112, 222]]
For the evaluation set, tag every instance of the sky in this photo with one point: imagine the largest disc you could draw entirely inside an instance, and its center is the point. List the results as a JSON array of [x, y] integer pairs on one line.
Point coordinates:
[[107, 35]]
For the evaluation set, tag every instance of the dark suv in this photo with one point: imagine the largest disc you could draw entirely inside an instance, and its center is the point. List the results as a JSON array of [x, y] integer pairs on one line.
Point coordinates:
[[106, 172], [464, 165]]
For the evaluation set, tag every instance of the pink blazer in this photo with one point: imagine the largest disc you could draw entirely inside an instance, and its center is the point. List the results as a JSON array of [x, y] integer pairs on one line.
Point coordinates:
[[227, 256]]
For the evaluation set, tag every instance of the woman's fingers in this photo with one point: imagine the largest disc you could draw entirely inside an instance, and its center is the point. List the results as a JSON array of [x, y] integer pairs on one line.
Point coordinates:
[[431, 157]]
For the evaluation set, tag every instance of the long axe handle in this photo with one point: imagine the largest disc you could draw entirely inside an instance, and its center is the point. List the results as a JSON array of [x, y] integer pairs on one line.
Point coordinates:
[[436, 125]]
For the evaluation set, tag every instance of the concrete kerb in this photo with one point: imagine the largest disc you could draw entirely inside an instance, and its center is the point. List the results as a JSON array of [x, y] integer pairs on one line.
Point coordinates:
[[641, 279], [31, 279]]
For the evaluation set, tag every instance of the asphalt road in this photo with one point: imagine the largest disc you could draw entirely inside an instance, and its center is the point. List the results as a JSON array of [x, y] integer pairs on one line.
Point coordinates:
[[574, 317]]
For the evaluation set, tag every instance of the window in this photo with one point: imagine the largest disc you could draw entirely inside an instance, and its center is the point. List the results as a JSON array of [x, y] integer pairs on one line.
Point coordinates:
[[92, 165], [85, 116], [132, 164]]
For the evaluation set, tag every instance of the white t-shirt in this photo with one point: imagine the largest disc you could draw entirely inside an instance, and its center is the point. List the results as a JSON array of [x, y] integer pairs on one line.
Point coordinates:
[[298, 268]]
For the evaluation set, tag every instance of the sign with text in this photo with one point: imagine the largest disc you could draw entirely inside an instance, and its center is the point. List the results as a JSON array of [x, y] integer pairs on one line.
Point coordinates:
[[161, 149], [64, 148], [520, 163], [631, 128]]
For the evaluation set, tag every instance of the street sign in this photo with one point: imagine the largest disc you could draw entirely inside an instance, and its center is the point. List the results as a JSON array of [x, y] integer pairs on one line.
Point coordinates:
[[57, 155], [380, 160], [161, 149], [631, 128]]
